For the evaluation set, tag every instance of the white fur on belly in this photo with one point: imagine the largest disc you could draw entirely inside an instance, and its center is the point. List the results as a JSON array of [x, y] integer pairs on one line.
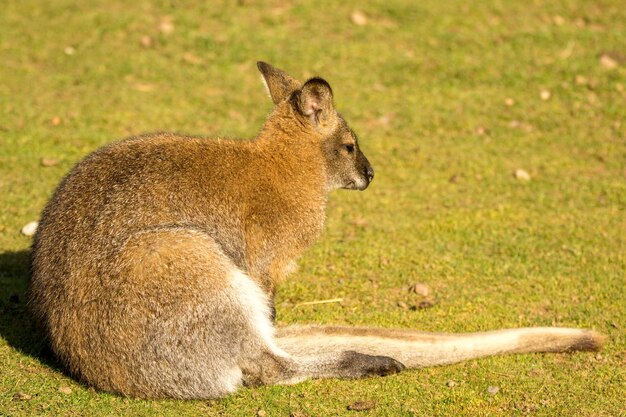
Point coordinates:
[[256, 306]]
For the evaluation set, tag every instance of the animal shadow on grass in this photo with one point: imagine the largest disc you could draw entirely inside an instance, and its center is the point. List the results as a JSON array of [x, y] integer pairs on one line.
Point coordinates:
[[16, 325]]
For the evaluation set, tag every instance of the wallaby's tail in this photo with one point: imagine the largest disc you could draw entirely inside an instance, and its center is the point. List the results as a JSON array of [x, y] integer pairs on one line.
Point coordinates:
[[419, 349]]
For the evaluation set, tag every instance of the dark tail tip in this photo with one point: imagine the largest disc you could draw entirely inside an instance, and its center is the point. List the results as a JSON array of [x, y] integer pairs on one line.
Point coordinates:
[[591, 341]]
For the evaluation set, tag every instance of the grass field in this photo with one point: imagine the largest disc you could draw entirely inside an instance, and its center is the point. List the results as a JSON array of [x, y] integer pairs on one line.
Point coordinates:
[[449, 100]]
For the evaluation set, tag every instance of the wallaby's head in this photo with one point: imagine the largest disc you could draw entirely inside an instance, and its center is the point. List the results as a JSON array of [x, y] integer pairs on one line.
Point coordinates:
[[312, 117]]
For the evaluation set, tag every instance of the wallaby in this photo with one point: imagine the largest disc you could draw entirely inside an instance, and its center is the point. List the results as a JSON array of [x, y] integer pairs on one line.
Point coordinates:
[[154, 266]]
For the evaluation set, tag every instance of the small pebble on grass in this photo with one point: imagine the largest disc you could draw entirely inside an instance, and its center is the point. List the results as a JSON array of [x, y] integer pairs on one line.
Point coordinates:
[[48, 162], [21, 396], [581, 80], [362, 405], [420, 288], [29, 228], [358, 18], [146, 41], [65, 390], [482, 130], [166, 26], [522, 175], [608, 62]]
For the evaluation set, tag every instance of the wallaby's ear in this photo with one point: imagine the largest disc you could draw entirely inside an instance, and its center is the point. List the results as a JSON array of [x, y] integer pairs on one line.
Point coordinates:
[[278, 83], [315, 101]]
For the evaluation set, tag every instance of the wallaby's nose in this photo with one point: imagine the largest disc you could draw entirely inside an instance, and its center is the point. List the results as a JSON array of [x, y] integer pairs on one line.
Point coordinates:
[[370, 173]]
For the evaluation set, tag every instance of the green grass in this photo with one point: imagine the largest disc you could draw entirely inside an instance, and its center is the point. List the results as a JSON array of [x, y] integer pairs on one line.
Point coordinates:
[[417, 83]]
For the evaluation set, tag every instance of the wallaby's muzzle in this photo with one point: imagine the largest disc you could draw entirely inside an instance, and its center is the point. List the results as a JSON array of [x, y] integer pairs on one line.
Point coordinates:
[[367, 172], [364, 182]]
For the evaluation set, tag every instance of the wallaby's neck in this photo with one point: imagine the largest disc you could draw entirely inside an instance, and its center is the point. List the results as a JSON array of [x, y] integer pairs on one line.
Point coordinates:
[[282, 124], [293, 147]]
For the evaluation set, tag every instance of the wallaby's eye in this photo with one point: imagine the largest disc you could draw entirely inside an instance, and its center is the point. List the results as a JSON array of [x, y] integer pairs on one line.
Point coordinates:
[[349, 148]]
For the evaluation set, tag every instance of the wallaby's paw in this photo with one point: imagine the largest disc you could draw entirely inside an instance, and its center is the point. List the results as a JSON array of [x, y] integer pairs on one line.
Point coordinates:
[[356, 365]]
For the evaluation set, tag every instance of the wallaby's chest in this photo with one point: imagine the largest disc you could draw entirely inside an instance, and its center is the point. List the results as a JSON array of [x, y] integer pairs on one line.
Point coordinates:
[[277, 233]]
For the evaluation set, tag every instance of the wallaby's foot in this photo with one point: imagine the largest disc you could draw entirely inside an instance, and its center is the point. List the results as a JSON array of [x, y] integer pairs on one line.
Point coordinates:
[[278, 368], [358, 365]]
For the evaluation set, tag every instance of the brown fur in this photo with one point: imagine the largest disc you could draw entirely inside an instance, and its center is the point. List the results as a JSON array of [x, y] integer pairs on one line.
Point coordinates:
[[157, 257]]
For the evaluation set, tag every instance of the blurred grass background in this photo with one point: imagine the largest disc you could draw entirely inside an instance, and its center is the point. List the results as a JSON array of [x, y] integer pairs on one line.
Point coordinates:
[[449, 99]]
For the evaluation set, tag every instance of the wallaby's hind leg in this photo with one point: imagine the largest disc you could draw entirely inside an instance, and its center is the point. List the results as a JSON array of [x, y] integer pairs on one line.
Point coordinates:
[[172, 324]]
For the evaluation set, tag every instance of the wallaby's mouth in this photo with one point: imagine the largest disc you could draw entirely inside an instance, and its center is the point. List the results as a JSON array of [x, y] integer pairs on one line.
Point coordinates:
[[363, 185], [359, 185]]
